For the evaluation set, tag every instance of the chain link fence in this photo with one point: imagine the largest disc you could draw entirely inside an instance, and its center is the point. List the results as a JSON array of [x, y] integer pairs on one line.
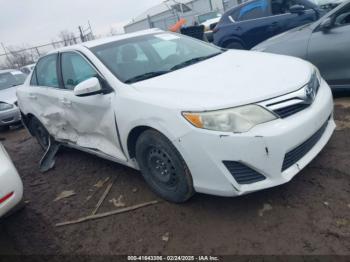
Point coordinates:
[[15, 58]]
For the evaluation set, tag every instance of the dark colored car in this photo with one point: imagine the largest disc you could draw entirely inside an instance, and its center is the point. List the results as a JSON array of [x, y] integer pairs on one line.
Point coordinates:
[[255, 21], [325, 43]]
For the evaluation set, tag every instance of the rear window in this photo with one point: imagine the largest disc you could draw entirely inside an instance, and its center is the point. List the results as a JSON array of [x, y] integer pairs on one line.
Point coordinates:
[[10, 79]]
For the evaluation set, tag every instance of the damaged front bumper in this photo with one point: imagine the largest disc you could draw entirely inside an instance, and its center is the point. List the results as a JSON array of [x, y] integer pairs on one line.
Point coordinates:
[[258, 156]]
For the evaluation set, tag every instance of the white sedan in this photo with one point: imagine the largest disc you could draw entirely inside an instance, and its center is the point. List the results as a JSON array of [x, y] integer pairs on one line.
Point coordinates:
[[11, 187], [191, 116]]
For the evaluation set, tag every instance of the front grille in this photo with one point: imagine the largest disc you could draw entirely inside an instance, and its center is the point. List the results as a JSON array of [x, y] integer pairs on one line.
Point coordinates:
[[243, 174], [298, 153], [290, 110]]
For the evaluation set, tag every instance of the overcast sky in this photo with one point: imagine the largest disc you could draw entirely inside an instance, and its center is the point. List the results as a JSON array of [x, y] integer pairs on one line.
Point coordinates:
[[38, 22]]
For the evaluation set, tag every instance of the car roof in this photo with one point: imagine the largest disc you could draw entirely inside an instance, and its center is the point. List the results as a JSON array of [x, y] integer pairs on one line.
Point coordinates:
[[106, 40]]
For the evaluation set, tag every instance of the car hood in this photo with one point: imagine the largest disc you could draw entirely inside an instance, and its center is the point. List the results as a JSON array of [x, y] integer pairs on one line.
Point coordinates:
[[231, 79], [302, 32], [9, 95]]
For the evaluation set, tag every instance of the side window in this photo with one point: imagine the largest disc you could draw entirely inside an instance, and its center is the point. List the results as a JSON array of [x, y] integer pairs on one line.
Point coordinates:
[[75, 69], [254, 10], [343, 18], [46, 72]]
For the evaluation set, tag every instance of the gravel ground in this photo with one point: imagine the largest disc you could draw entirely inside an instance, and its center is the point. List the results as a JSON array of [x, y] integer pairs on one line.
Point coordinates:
[[310, 215]]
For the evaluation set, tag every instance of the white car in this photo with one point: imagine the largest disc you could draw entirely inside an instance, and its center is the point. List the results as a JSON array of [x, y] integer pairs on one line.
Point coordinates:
[[11, 187], [190, 116], [10, 80], [209, 20]]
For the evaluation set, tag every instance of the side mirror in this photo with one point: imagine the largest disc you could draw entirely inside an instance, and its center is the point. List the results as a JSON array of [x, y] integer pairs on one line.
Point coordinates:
[[297, 9], [326, 24], [88, 87]]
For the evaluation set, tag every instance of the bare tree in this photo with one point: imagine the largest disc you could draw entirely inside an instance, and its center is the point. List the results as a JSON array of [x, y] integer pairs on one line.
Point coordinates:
[[68, 38], [17, 59]]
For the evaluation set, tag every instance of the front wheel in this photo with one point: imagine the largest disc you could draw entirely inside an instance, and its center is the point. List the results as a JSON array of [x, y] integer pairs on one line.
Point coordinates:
[[235, 45], [163, 168]]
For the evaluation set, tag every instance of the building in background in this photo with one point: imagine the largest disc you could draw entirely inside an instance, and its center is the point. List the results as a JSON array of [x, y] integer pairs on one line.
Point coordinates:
[[170, 11]]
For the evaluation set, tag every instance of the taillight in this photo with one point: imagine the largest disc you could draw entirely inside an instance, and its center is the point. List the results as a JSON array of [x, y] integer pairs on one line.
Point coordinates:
[[8, 196]]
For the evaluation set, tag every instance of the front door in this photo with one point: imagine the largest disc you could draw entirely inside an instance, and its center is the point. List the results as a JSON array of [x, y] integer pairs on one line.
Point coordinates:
[[91, 119]]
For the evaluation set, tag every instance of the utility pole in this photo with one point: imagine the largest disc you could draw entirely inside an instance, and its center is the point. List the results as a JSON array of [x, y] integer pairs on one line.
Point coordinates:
[[224, 5], [150, 25], [211, 5], [92, 34], [81, 34]]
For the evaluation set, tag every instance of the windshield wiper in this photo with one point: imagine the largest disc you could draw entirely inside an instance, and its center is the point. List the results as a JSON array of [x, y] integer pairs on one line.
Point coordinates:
[[145, 76], [193, 61], [149, 75]]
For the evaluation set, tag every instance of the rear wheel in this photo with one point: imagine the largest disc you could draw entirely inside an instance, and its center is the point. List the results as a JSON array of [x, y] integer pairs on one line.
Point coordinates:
[[235, 45], [163, 168], [40, 133]]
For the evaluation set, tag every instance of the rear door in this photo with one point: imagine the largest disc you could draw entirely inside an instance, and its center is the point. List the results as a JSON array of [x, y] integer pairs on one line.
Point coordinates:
[[330, 50], [42, 97], [91, 122], [253, 22]]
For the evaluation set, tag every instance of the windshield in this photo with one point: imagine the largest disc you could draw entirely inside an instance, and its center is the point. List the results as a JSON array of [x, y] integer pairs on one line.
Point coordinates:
[[148, 56], [11, 79]]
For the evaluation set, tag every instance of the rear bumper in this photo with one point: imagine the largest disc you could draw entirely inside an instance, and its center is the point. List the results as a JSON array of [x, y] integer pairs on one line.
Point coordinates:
[[10, 117], [10, 183], [263, 149]]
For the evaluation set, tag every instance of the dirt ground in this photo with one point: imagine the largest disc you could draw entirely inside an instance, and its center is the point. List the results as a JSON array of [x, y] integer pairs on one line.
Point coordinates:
[[310, 215]]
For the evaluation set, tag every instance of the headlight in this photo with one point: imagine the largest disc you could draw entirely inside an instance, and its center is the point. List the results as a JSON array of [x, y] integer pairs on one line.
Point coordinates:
[[5, 106], [318, 75], [237, 120], [313, 86]]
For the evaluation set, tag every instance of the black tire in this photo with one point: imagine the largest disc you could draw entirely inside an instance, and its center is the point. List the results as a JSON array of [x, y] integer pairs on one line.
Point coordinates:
[[163, 168], [40, 133], [235, 45], [4, 128]]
